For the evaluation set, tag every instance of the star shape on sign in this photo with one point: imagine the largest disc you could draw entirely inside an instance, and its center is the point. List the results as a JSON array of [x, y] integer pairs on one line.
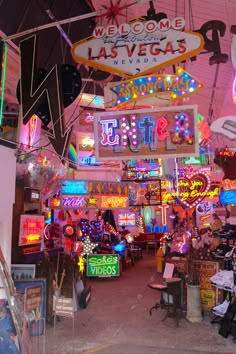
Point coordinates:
[[81, 264], [114, 10], [91, 201], [88, 246]]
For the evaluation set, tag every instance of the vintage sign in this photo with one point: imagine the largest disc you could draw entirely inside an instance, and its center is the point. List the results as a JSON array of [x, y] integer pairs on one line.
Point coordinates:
[[33, 297], [142, 134], [148, 89], [209, 294], [103, 265], [31, 229], [138, 48], [79, 194]]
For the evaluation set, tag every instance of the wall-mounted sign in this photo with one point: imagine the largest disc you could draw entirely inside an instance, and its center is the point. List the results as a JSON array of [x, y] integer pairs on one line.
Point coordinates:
[[138, 48], [94, 194], [126, 219], [228, 197], [228, 184], [142, 134], [193, 188], [211, 195], [31, 229], [73, 186], [166, 86], [103, 265]]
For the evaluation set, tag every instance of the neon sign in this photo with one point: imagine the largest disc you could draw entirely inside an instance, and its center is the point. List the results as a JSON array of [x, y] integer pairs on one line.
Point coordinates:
[[138, 47], [72, 201], [228, 184], [142, 88], [114, 202], [141, 134], [193, 188], [228, 197], [98, 195], [31, 229]]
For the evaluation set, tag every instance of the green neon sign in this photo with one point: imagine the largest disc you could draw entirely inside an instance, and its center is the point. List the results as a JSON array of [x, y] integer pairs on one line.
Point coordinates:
[[100, 265]]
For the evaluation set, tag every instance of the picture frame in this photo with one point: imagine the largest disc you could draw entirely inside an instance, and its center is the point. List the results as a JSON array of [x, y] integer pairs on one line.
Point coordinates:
[[36, 328], [22, 271]]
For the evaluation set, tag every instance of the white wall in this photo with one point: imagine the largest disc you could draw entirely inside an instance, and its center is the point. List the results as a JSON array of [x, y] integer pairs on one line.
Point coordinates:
[[7, 198]]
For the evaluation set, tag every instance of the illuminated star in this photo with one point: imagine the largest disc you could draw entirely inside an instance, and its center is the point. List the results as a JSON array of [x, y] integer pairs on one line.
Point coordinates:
[[114, 10], [88, 246], [81, 264], [91, 201]]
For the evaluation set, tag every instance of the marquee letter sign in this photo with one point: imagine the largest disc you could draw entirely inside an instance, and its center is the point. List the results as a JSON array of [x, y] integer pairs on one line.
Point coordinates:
[[138, 48], [147, 88], [142, 134]]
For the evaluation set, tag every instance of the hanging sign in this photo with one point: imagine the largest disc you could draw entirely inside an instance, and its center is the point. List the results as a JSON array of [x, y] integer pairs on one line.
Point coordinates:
[[142, 134], [193, 188], [225, 126], [138, 48], [148, 89], [103, 265]]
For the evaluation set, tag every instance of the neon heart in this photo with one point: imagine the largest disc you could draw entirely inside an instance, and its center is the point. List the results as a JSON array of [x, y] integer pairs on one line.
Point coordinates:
[[193, 189]]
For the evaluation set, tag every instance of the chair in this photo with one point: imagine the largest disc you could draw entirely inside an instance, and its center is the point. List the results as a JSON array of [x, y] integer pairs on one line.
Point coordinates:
[[64, 307], [169, 295], [171, 298]]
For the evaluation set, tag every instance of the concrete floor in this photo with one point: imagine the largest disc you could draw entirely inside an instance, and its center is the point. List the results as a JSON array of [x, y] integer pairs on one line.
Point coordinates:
[[117, 321]]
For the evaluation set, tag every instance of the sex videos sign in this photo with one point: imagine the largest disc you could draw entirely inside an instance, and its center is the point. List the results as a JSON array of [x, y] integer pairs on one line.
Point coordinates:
[[103, 265], [146, 133], [138, 47]]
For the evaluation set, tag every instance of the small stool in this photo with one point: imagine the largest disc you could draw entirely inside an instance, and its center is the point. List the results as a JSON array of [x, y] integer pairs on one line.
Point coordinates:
[[161, 288], [170, 298]]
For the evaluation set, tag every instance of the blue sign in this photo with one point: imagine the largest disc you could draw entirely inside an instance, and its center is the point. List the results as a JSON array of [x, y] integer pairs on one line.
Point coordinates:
[[227, 197], [72, 186]]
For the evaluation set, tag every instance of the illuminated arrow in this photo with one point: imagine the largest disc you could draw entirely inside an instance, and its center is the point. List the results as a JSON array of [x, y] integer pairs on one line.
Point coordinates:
[[172, 86]]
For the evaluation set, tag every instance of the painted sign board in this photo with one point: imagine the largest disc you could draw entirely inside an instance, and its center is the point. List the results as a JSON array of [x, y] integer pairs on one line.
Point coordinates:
[[146, 133], [100, 265], [138, 48]]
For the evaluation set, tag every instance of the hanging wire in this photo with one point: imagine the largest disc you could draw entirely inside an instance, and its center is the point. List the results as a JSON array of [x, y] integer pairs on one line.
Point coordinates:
[[191, 22]]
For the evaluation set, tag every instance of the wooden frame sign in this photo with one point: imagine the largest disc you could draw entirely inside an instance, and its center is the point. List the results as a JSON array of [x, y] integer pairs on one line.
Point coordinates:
[[146, 133], [100, 265]]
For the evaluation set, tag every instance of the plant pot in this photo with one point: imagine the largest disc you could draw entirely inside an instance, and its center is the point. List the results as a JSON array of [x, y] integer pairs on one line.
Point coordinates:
[[194, 306]]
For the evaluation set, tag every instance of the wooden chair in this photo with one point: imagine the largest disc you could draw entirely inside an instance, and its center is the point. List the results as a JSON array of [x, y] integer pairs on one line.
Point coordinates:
[[64, 307]]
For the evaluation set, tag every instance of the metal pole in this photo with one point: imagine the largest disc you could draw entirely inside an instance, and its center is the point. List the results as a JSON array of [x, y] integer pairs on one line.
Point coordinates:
[[62, 22]]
